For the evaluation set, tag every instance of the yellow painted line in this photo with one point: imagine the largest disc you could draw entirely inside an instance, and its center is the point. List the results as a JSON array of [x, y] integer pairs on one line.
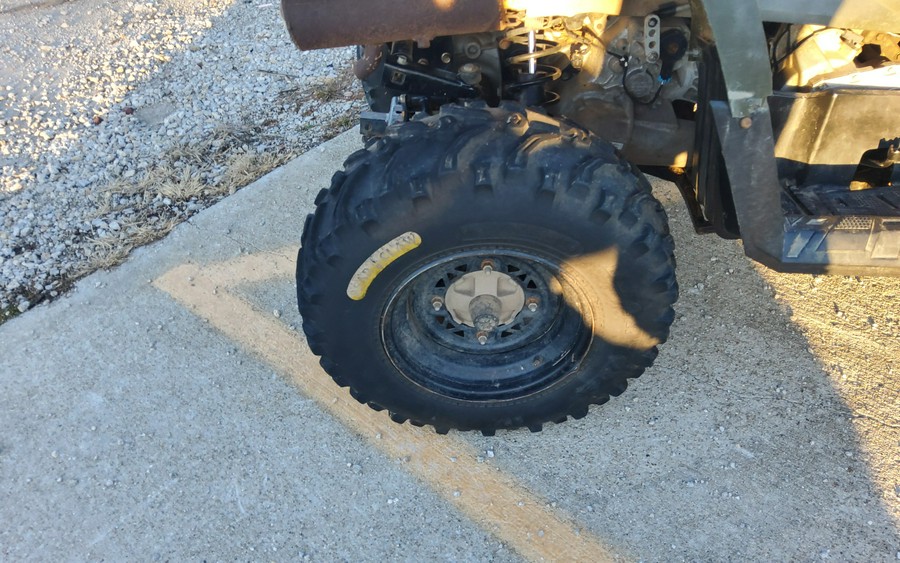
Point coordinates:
[[494, 500]]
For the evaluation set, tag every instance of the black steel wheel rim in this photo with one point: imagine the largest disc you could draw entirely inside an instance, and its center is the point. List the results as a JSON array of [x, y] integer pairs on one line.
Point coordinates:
[[535, 351]]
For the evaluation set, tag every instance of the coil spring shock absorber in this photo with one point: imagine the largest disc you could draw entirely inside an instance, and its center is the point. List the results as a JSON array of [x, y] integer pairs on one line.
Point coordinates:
[[531, 77]]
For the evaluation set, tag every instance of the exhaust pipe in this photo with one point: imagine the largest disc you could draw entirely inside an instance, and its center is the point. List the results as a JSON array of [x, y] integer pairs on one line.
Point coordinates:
[[321, 24]]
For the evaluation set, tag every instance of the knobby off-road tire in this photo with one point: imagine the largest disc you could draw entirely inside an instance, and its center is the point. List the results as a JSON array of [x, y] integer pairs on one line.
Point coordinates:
[[545, 206]]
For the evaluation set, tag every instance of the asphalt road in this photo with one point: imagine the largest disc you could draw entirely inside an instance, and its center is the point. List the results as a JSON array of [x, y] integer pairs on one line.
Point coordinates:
[[169, 409]]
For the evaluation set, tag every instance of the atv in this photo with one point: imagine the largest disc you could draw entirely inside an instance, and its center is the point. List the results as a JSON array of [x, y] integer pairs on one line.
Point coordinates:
[[494, 257]]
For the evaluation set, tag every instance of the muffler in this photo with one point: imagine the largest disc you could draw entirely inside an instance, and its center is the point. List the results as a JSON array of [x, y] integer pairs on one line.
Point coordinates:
[[320, 24]]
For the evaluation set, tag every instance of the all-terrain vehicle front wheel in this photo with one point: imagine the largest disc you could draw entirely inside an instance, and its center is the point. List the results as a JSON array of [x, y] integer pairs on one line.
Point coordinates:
[[486, 268]]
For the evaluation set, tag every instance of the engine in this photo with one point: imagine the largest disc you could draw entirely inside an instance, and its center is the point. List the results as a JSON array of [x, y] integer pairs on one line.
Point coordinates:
[[622, 77], [634, 80]]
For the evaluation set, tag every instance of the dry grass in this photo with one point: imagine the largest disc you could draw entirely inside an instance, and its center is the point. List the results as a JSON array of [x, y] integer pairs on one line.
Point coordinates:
[[342, 123], [108, 252], [328, 90], [341, 87], [185, 176], [246, 168], [180, 187], [139, 233]]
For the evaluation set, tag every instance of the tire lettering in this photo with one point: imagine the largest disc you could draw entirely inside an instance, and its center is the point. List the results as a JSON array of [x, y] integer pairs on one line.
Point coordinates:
[[379, 261]]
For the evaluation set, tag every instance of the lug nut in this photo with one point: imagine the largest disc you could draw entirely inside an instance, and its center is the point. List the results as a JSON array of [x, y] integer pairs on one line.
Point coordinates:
[[482, 338], [437, 303], [533, 305], [515, 120], [487, 266]]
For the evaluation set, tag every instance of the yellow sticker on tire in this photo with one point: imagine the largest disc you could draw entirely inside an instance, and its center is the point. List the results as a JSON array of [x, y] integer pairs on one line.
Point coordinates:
[[379, 261]]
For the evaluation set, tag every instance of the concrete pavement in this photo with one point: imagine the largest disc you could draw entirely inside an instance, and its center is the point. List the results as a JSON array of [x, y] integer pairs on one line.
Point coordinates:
[[169, 409]]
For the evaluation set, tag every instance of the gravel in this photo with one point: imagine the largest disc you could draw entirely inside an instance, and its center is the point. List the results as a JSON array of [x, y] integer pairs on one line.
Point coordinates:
[[118, 121]]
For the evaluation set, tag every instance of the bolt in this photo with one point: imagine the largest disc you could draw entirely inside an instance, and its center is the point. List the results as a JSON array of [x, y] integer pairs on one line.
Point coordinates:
[[470, 73], [446, 58], [533, 304], [515, 119], [402, 60], [482, 338], [746, 123], [437, 303]]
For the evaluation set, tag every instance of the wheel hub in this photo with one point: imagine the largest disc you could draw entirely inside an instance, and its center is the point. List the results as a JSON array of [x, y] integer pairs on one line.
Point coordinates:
[[485, 300], [434, 327]]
